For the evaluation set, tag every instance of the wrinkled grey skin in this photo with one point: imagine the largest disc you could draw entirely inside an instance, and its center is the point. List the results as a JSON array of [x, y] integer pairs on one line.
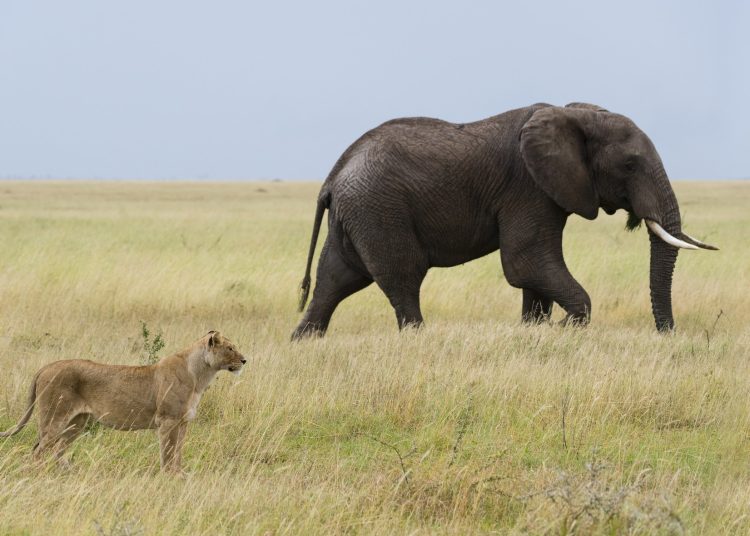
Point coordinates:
[[417, 192]]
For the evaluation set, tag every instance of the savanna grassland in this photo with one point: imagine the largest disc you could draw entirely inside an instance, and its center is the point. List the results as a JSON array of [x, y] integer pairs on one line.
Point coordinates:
[[473, 424]]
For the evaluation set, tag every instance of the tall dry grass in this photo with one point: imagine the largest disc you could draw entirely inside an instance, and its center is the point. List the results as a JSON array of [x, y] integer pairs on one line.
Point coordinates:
[[473, 424]]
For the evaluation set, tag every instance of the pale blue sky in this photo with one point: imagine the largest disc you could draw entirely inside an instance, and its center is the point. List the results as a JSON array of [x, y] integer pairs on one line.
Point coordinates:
[[233, 90]]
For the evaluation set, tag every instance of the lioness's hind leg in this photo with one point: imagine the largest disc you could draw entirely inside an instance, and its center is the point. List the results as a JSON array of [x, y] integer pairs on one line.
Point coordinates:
[[56, 409], [57, 437], [75, 428]]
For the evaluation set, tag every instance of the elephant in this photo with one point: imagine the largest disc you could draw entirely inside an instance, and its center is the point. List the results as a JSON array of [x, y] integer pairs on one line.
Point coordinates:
[[416, 193]]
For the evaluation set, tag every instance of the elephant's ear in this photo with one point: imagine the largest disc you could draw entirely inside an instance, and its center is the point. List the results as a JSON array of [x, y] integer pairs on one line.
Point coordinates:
[[553, 146]]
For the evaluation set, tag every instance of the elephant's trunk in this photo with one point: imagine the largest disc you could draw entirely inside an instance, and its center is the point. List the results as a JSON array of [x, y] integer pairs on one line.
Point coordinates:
[[663, 258], [663, 255]]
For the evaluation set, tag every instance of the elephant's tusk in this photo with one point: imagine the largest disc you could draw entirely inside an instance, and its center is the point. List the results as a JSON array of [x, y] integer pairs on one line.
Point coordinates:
[[659, 231], [698, 243]]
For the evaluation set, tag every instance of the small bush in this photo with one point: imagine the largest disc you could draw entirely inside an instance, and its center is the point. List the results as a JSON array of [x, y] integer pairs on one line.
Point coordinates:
[[151, 347]]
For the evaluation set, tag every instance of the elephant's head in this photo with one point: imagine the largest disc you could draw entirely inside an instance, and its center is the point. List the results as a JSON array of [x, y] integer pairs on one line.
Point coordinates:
[[584, 157]]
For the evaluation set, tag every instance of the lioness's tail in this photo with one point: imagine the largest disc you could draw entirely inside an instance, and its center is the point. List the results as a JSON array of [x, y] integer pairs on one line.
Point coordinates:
[[29, 410], [305, 285]]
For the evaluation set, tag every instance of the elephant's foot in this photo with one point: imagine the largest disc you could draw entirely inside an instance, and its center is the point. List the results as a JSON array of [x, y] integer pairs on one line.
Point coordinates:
[[537, 308], [576, 320], [413, 324], [308, 330], [535, 320]]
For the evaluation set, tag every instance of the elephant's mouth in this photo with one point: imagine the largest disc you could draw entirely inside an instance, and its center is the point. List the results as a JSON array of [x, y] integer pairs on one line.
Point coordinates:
[[609, 209]]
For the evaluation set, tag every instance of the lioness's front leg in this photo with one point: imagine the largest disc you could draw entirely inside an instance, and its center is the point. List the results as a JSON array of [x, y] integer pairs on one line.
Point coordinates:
[[171, 439]]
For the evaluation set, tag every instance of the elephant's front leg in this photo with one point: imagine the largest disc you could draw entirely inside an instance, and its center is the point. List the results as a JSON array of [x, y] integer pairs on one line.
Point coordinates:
[[579, 306], [537, 308], [559, 285], [531, 254]]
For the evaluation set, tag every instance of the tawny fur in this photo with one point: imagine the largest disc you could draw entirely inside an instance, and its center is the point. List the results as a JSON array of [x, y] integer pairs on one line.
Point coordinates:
[[163, 396]]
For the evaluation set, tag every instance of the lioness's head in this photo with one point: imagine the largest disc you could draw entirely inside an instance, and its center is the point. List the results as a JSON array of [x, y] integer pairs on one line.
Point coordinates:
[[221, 354]]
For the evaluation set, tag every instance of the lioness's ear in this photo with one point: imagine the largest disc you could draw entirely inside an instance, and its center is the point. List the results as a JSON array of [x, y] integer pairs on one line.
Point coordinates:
[[214, 338]]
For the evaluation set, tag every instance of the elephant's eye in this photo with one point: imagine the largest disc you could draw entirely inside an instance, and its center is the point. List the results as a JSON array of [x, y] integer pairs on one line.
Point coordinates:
[[630, 165]]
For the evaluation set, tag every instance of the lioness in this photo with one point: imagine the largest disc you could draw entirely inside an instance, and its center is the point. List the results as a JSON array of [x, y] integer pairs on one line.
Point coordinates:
[[163, 396]]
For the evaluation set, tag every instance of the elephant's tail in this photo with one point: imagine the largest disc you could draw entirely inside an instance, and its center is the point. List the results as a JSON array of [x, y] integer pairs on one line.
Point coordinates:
[[305, 285], [29, 410]]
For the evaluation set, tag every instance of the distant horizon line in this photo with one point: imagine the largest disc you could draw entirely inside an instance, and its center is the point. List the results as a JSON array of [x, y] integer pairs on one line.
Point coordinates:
[[235, 179]]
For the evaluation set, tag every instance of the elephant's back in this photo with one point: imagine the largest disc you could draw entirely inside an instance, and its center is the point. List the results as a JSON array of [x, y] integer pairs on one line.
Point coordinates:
[[417, 175], [400, 152], [413, 148]]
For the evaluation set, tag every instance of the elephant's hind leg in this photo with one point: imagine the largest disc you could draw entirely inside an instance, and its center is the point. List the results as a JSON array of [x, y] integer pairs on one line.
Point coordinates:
[[404, 297], [400, 279], [537, 308], [335, 281]]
